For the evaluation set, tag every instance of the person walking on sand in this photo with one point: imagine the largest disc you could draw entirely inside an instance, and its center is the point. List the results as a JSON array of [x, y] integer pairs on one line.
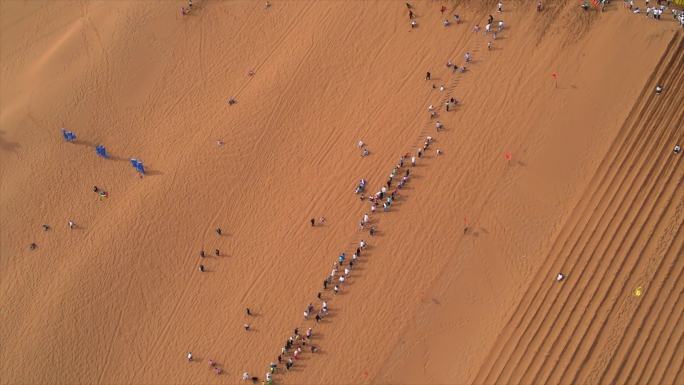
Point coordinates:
[[499, 7], [246, 326], [427, 76], [245, 376], [71, 224], [219, 231], [249, 312], [560, 277], [189, 356], [201, 268], [202, 255], [313, 222]]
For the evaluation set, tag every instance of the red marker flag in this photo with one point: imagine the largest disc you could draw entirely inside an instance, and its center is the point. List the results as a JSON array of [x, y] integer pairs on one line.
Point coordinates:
[[554, 75]]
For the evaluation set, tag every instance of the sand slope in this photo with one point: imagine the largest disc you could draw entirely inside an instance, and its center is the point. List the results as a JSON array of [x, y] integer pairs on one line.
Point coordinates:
[[592, 190]]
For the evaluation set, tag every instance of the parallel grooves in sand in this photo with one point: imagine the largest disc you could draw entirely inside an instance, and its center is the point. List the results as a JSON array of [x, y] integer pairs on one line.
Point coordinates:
[[593, 273], [632, 142], [662, 340], [580, 211], [630, 258]]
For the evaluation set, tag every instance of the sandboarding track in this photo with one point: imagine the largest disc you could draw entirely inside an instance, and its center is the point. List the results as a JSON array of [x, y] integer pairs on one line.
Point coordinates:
[[617, 233]]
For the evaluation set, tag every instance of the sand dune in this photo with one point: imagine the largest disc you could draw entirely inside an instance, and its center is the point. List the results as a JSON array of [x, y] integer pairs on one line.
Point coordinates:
[[575, 175]]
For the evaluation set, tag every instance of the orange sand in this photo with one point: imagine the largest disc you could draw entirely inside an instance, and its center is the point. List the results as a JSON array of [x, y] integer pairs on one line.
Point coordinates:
[[592, 190]]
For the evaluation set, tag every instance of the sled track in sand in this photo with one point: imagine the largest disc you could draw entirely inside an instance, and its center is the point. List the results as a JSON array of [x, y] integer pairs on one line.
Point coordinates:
[[625, 232]]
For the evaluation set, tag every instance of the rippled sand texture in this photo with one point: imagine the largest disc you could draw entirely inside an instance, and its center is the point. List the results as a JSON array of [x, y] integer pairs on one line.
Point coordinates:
[[537, 176]]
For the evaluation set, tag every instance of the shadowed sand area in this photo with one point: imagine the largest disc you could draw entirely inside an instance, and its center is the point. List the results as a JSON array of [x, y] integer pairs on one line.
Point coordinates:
[[538, 175]]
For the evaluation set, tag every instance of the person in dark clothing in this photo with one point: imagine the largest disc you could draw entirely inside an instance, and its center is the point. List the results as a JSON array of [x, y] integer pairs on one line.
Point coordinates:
[[313, 222], [249, 312], [218, 231], [202, 255], [427, 76], [201, 268], [217, 252]]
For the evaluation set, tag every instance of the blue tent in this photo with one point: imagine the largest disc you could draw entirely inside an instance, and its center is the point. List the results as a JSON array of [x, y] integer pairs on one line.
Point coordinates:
[[138, 165], [68, 135], [102, 151]]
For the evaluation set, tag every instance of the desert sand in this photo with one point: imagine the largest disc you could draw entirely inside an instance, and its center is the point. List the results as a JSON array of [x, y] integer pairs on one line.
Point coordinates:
[[558, 159]]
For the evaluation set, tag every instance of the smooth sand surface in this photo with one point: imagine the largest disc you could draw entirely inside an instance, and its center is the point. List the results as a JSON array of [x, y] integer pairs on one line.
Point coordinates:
[[538, 176]]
